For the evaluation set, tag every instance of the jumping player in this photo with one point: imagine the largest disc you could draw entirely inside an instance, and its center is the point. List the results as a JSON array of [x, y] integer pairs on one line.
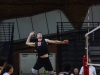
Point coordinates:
[[42, 50]]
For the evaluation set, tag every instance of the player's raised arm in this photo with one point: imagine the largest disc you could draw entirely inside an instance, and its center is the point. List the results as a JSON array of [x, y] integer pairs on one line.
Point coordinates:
[[32, 44]]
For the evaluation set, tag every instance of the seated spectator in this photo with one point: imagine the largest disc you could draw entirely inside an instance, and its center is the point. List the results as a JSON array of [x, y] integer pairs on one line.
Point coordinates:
[[8, 70], [76, 71], [55, 73], [2, 64], [67, 68]]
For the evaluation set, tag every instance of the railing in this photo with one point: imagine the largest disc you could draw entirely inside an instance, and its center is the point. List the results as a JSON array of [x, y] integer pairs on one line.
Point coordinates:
[[6, 40], [6, 31], [64, 27]]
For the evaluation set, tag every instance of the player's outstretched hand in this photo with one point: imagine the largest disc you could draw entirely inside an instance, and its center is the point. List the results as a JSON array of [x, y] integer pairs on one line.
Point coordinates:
[[65, 42], [32, 33]]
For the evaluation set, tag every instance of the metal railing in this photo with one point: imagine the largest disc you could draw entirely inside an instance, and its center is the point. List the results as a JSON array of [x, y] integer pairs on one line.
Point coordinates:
[[6, 40], [67, 27], [6, 31]]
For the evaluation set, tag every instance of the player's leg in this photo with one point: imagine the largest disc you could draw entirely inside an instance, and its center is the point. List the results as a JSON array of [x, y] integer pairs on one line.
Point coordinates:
[[37, 66], [48, 66]]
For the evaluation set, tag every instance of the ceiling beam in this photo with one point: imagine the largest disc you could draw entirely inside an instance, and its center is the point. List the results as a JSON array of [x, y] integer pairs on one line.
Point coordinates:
[[41, 3]]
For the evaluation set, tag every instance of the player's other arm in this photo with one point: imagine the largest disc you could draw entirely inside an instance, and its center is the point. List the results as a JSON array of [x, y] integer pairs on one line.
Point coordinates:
[[56, 41]]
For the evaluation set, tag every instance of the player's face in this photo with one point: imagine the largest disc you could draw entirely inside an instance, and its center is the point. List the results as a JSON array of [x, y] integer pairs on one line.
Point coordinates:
[[39, 35]]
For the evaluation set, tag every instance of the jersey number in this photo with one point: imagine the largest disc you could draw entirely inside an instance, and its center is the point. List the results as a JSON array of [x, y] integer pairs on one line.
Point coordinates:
[[39, 43]]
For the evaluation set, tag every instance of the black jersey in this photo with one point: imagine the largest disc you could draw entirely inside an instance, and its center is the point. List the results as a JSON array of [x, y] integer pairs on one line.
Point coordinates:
[[41, 47]]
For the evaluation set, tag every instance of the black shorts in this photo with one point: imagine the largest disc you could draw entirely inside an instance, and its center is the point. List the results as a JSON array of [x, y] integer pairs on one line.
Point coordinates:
[[43, 62]]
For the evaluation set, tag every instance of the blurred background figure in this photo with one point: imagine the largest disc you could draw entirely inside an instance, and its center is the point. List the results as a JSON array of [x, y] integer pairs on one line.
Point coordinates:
[[2, 64], [76, 71], [55, 73], [8, 70], [67, 68]]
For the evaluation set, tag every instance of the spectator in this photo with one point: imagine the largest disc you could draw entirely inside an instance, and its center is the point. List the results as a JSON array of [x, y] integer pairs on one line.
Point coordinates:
[[76, 71], [67, 68], [92, 70], [8, 70], [55, 73], [2, 64]]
